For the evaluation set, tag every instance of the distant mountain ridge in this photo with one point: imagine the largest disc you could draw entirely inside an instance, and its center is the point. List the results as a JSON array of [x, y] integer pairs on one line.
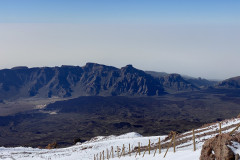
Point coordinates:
[[67, 81], [193, 82], [91, 80]]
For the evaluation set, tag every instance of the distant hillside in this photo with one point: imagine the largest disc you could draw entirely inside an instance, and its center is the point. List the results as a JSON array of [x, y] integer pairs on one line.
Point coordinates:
[[230, 83], [183, 82], [175, 82], [201, 83]]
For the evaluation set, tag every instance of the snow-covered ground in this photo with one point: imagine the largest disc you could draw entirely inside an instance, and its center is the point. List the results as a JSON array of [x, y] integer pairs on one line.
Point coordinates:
[[89, 149]]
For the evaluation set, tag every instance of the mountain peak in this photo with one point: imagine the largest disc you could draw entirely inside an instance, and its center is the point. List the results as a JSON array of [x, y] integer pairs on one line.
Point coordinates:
[[129, 66], [90, 65]]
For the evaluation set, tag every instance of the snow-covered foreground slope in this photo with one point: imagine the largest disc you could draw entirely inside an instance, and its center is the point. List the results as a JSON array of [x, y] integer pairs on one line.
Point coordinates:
[[87, 150]]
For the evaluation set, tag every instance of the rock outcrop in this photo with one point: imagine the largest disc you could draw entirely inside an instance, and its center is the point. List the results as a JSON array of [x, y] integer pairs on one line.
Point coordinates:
[[217, 148], [51, 145]]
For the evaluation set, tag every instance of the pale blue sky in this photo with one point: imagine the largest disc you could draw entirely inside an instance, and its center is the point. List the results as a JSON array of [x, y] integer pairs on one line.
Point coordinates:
[[120, 11], [198, 38]]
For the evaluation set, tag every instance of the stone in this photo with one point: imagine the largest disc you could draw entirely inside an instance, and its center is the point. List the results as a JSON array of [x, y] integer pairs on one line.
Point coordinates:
[[216, 148], [51, 145]]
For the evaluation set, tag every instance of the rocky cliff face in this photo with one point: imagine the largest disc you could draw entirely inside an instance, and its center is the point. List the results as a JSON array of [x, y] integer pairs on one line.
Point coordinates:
[[67, 81]]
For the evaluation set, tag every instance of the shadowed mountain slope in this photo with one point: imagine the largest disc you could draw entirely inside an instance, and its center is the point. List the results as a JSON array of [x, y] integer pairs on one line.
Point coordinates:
[[74, 81], [175, 82]]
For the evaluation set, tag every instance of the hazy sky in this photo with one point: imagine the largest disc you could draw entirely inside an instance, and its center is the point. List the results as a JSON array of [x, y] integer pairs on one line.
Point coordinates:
[[197, 38]]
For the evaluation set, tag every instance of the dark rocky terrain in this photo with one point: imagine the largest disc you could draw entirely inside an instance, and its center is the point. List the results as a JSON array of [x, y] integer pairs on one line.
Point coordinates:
[[89, 116]]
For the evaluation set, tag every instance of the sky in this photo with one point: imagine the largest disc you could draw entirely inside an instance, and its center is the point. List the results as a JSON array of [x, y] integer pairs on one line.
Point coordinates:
[[199, 38]]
